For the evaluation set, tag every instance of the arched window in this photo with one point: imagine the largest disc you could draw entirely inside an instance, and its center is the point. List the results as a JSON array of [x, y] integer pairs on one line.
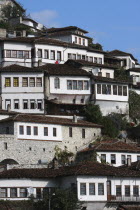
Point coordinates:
[[57, 83]]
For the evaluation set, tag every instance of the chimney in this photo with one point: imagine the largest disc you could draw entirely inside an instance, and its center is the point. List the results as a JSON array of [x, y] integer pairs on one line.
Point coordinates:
[[75, 119], [128, 162], [55, 164]]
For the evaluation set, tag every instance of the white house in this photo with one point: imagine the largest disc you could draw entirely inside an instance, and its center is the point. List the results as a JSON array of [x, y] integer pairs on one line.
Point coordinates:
[[30, 138], [112, 152], [97, 185], [128, 60], [22, 89], [134, 73]]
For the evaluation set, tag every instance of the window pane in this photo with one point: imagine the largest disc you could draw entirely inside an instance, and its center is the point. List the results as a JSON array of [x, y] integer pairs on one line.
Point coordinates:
[[114, 89], [120, 90], [39, 53], [118, 190], [8, 53], [123, 159], [16, 104], [32, 82], [70, 132], [57, 83], [83, 133], [80, 85], [113, 159], [103, 158], [52, 55], [59, 55], [124, 90], [91, 188], [46, 54], [28, 130], [21, 130], [95, 60], [74, 85], [86, 85], [23, 192], [104, 90], [16, 82], [39, 104], [3, 192], [98, 89], [127, 191], [36, 131], [82, 188], [39, 82], [100, 189], [25, 104], [20, 54], [136, 191], [26, 54], [32, 104], [46, 131], [108, 89], [69, 85], [8, 82], [25, 82], [14, 54], [54, 132], [13, 192]]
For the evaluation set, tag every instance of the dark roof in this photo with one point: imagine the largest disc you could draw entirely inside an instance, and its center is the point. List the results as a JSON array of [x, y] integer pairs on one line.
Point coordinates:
[[135, 166], [121, 53], [6, 112], [87, 63], [48, 41], [68, 28], [18, 68], [109, 80], [134, 70], [63, 33], [113, 146], [32, 118], [64, 70], [87, 168]]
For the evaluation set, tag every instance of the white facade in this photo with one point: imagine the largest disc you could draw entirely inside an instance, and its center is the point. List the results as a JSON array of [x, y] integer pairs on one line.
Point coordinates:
[[16, 95], [130, 63]]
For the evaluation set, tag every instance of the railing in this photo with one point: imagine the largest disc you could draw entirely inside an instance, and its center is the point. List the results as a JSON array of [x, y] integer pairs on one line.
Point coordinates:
[[124, 198]]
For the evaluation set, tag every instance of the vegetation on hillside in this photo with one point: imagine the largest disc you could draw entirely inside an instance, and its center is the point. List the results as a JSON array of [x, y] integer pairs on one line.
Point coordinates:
[[134, 105]]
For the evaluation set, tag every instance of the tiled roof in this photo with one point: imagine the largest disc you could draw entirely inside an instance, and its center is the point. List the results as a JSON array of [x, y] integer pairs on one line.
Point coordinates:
[[87, 168], [113, 146], [48, 41], [51, 30], [134, 70], [6, 112], [63, 33], [64, 70], [32, 118], [88, 63], [109, 80], [18, 68], [121, 53]]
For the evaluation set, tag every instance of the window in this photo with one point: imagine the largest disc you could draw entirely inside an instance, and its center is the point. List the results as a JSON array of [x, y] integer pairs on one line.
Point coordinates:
[[84, 42], [14, 54], [7, 130], [91, 59], [38, 193], [100, 189], [118, 190], [69, 56], [21, 130], [13, 192], [91, 188], [124, 90], [16, 104], [59, 55], [39, 53], [108, 75], [108, 89], [25, 82], [83, 189], [129, 157], [28, 130], [26, 54], [23, 193], [104, 91], [7, 104], [70, 132], [3, 192], [95, 60], [69, 85], [136, 191], [75, 39], [83, 57], [7, 82], [120, 90], [100, 60], [103, 158], [8, 53], [86, 85], [123, 159], [113, 159], [57, 83], [35, 131], [127, 190], [46, 54], [16, 82], [74, 85], [78, 57], [25, 104], [52, 55], [32, 82], [138, 158], [80, 85], [5, 146], [39, 104], [54, 132], [20, 54], [46, 131], [74, 56], [114, 89], [79, 40], [98, 89], [100, 74], [32, 104], [39, 82], [83, 133]]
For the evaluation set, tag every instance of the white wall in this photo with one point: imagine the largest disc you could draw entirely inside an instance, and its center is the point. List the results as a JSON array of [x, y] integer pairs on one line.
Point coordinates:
[[118, 157], [40, 135]]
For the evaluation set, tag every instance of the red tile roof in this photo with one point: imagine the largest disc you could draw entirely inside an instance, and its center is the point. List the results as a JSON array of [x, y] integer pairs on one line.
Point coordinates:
[[32, 118]]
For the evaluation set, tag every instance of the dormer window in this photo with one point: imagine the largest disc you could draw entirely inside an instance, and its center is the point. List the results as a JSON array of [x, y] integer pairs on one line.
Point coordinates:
[[57, 83]]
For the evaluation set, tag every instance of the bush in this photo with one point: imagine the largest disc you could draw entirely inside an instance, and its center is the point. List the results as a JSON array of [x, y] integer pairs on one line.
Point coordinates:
[[134, 105], [93, 113], [109, 127]]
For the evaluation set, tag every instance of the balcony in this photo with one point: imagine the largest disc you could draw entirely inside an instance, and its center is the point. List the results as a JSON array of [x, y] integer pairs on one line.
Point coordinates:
[[123, 198]]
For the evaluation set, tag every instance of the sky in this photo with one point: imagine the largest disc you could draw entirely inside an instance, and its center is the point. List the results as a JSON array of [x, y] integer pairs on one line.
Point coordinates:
[[115, 24]]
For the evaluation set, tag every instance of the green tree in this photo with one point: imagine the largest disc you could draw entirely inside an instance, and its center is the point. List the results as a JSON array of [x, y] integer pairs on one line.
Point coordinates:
[[93, 113], [9, 11], [63, 156], [94, 46], [109, 127], [134, 105]]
